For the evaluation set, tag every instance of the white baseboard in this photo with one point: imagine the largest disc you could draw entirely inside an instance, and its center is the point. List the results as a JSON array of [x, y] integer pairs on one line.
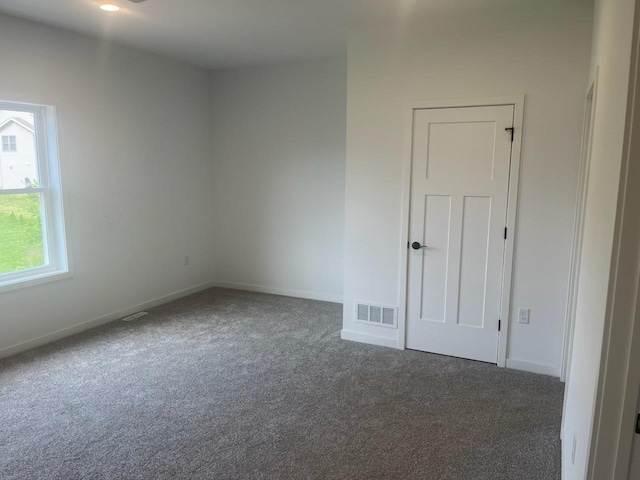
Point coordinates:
[[533, 367], [66, 332], [325, 297], [368, 338]]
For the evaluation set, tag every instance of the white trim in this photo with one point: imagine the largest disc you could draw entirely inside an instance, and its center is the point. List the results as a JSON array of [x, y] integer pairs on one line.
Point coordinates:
[[14, 191], [324, 297], [368, 338], [39, 276], [404, 228], [578, 228], [465, 102], [512, 206], [533, 367], [512, 213], [25, 106], [66, 332], [576, 251]]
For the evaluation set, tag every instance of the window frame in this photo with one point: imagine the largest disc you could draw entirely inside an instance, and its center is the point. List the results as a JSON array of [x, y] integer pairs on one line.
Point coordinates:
[[9, 144], [54, 240]]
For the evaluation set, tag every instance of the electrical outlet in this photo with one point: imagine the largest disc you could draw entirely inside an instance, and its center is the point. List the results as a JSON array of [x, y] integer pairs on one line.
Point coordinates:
[[523, 315], [573, 450], [186, 260]]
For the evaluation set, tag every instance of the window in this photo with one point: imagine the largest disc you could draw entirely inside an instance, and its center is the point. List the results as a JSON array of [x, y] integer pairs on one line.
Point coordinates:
[[32, 239], [9, 143]]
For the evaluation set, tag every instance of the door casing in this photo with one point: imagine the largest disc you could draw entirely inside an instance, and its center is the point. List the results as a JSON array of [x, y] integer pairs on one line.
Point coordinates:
[[518, 103]]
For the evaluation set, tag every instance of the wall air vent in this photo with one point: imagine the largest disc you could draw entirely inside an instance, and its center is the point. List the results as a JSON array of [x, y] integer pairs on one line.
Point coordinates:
[[380, 315], [135, 316]]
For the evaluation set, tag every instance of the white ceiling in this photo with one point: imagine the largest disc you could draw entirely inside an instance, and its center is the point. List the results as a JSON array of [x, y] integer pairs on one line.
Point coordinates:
[[211, 33], [227, 33]]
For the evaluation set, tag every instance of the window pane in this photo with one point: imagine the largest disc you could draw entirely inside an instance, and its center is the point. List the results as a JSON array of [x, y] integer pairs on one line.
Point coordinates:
[[18, 153], [21, 244]]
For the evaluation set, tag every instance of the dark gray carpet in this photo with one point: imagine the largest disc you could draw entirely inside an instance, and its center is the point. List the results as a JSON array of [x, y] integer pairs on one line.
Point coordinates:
[[226, 384]]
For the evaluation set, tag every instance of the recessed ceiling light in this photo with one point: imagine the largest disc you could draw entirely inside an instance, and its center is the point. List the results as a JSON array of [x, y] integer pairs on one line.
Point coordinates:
[[109, 7]]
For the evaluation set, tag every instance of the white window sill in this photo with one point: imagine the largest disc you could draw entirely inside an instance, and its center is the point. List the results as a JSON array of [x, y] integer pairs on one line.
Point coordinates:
[[31, 279]]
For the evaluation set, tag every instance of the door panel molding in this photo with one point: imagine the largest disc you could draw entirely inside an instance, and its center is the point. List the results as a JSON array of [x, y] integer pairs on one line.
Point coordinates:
[[518, 102]]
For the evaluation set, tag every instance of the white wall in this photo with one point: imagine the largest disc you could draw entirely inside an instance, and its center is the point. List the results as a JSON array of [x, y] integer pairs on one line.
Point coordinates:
[[134, 147], [279, 156], [540, 50], [611, 52]]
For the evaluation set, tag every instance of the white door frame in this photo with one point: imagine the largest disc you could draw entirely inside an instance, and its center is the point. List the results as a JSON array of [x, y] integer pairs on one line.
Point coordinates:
[[512, 206], [578, 228]]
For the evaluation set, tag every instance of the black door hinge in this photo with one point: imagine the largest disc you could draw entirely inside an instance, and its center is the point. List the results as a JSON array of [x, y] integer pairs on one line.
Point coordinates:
[[499, 325], [638, 425], [505, 232], [512, 130]]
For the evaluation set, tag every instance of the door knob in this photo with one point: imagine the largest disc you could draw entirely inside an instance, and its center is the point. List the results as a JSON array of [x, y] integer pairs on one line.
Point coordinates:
[[417, 246]]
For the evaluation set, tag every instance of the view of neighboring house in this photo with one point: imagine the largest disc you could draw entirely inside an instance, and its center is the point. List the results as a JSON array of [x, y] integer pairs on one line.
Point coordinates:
[[18, 166]]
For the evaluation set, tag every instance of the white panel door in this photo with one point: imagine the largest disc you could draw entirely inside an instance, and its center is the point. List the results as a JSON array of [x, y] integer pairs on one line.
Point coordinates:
[[459, 187]]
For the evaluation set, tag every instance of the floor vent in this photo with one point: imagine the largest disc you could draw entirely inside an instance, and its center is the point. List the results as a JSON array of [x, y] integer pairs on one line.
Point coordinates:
[[135, 316], [380, 315]]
